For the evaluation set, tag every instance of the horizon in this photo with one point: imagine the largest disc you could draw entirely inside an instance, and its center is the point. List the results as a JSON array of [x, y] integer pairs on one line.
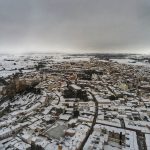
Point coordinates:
[[78, 52]]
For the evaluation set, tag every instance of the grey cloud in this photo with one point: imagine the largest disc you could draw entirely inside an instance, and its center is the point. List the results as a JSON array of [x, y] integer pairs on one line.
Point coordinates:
[[97, 25]]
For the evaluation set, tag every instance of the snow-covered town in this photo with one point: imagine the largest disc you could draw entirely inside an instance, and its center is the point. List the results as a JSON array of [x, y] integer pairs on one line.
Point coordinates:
[[74, 102]]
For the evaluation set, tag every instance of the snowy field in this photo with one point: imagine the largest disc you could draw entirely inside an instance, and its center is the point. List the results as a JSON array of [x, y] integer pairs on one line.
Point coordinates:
[[11, 64], [131, 62]]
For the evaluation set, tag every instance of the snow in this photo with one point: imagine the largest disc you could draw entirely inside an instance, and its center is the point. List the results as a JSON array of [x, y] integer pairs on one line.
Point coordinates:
[[129, 62], [75, 87], [64, 117], [22, 146], [147, 139]]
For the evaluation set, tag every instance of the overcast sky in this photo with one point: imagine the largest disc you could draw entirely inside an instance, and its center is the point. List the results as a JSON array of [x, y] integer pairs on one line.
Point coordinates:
[[75, 25]]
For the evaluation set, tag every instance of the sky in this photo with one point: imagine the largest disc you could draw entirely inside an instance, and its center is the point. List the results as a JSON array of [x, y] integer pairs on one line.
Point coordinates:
[[74, 26]]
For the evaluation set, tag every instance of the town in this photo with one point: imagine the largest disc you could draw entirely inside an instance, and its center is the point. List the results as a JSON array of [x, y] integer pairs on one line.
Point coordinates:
[[50, 102]]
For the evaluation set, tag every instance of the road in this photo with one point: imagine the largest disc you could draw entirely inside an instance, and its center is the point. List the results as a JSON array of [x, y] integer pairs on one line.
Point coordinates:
[[141, 140], [93, 123]]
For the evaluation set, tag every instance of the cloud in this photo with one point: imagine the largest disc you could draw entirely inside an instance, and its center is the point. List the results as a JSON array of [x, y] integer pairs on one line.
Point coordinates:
[[64, 25]]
